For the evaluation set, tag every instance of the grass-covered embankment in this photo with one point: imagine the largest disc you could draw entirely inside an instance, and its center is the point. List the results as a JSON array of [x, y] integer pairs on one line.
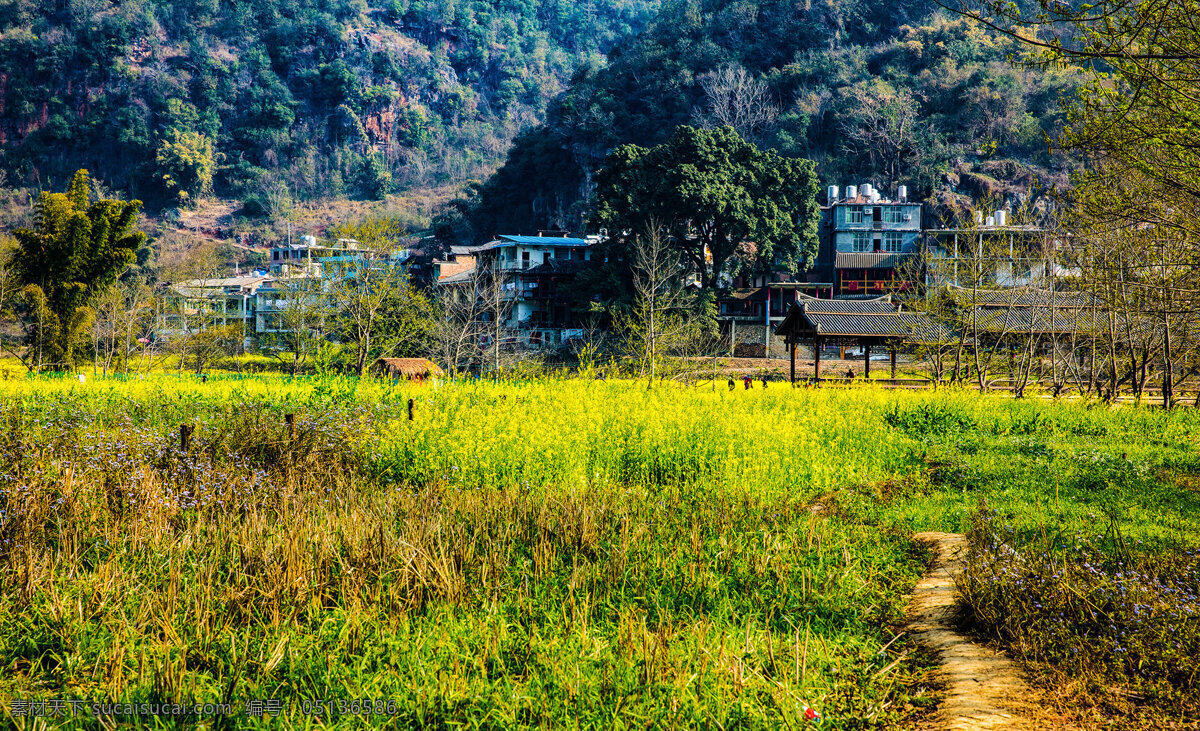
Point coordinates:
[[1083, 526]]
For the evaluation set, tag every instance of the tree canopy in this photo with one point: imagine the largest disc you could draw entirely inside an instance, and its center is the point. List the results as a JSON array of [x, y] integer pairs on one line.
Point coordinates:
[[325, 97], [76, 250], [721, 203]]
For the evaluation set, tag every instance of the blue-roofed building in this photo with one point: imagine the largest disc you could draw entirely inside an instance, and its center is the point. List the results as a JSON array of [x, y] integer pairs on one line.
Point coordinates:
[[536, 272]]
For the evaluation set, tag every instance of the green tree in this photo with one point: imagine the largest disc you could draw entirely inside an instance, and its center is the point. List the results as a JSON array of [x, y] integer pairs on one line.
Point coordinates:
[[380, 313], [187, 162], [76, 250], [721, 204]]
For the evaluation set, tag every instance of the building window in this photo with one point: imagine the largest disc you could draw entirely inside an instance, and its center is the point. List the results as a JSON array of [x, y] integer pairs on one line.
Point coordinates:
[[892, 242], [524, 259], [862, 242], [854, 214], [893, 214]]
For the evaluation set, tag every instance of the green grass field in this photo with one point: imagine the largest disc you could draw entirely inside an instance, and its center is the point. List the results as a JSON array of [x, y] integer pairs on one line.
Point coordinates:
[[552, 554]]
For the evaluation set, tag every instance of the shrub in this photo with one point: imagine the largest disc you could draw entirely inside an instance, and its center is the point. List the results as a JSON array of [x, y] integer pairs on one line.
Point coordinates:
[[1093, 606]]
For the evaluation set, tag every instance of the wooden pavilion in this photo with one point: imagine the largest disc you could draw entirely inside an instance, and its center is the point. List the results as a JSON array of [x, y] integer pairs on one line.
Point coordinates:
[[867, 322]]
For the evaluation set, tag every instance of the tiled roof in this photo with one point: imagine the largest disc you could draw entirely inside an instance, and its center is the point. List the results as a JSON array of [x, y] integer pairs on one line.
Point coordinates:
[[877, 305], [870, 260], [879, 317], [1036, 320], [909, 326], [1024, 297]]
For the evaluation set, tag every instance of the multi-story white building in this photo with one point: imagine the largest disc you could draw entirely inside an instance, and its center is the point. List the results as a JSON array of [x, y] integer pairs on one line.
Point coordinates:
[[199, 304]]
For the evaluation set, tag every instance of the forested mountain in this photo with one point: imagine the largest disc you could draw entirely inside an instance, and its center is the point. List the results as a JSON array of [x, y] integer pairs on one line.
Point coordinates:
[[895, 92], [270, 99]]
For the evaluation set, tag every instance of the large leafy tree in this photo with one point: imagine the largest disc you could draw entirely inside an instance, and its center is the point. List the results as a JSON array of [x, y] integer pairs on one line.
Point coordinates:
[[76, 250], [721, 203]]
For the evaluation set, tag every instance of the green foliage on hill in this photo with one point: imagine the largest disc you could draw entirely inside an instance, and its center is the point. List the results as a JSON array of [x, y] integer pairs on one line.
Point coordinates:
[[323, 97], [890, 92]]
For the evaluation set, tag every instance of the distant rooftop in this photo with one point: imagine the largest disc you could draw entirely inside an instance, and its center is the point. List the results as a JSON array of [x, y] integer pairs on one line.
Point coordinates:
[[246, 280], [510, 239]]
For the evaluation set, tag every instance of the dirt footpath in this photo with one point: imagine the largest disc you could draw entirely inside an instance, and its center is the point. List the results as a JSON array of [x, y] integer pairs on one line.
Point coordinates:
[[984, 689]]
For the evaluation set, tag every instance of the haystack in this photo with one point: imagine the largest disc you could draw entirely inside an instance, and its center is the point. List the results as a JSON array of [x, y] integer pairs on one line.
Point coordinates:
[[405, 368]]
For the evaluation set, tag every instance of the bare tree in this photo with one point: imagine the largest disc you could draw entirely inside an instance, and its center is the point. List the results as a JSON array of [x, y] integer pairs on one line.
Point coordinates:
[[882, 125], [1138, 254], [378, 311], [123, 316], [299, 322], [736, 99], [663, 332], [472, 321], [458, 326]]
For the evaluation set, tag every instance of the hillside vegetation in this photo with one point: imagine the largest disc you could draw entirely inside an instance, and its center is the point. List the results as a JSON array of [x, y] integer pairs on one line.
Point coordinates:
[[895, 93], [271, 100]]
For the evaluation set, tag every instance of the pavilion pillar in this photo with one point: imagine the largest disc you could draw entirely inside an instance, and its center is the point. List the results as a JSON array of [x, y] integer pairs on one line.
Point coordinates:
[[792, 349], [817, 357], [893, 361], [867, 359], [732, 337]]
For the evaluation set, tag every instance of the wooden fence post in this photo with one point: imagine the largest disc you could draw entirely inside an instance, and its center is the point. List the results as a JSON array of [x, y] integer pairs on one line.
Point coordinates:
[[185, 437], [290, 419], [410, 409]]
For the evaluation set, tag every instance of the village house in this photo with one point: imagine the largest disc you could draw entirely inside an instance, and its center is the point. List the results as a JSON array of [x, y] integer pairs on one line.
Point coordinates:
[[869, 243], [199, 304], [534, 274], [456, 261]]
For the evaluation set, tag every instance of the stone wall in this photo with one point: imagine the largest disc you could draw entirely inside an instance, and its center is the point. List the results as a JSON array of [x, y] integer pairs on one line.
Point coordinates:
[[753, 335]]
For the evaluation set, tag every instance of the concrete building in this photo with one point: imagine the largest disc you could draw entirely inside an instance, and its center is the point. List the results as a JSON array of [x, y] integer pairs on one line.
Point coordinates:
[[535, 273], [198, 304], [869, 243], [992, 252], [281, 303]]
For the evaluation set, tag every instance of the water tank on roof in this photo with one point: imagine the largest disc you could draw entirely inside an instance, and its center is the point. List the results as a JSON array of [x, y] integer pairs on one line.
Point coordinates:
[[902, 193], [851, 191], [867, 190], [979, 218], [308, 240], [991, 221], [1001, 218], [833, 194]]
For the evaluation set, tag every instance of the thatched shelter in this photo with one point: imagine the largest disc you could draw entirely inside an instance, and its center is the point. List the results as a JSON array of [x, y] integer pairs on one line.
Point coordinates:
[[405, 368]]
